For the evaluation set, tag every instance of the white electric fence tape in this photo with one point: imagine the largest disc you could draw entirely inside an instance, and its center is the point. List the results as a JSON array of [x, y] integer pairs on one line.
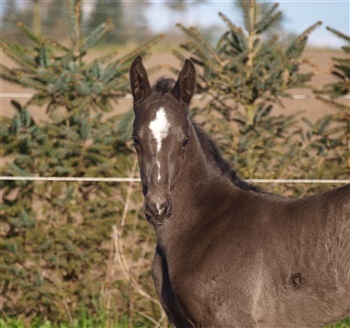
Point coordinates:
[[92, 179]]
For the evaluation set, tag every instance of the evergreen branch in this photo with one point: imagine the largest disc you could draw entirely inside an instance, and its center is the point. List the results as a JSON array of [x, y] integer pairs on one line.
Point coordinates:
[[268, 20], [79, 105], [296, 48], [237, 34], [306, 33], [344, 108], [8, 49], [7, 74], [142, 49], [237, 61], [105, 107], [346, 49], [222, 43], [246, 6], [38, 99], [179, 56], [106, 58], [96, 35], [116, 85], [199, 39], [339, 34], [72, 21], [343, 67], [121, 85], [40, 39], [79, 13], [195, 49], [229, 23], [31, 35], [25, 81]]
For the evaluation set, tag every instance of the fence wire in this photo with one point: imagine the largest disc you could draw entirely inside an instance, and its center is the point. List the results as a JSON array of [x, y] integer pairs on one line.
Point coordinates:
[[129, 96], [121, 179]]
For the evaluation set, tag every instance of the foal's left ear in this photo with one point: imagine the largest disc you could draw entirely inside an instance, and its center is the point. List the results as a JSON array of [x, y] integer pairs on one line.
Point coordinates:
[[184, 87]]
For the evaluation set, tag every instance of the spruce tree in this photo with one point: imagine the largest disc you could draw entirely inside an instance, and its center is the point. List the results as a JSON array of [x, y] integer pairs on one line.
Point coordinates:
[[54, 234], [337, 125], [253, 70], [245, 75], [341, 71]]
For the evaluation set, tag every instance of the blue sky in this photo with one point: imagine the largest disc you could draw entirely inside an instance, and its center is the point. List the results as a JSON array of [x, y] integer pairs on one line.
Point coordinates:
[[299, 15]]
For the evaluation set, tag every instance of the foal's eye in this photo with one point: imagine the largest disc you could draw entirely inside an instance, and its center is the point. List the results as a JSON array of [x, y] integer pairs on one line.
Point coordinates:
[[185, 142], [136, 141]]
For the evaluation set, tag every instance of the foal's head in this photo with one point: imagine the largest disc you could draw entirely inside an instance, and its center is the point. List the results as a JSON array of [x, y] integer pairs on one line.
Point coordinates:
[[161, 134]]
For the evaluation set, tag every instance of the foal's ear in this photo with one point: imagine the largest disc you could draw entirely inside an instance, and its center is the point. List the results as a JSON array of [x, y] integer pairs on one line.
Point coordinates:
[[184, 87], [140, 86]]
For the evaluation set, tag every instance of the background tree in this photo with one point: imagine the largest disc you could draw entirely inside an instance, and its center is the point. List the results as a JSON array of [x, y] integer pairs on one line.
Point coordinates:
[[245, 76], [57, 250], [341, 71], [264, 10], [338, 124]]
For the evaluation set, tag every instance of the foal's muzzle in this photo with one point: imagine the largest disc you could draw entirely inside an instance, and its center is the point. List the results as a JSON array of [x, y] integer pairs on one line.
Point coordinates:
[[157, 208]]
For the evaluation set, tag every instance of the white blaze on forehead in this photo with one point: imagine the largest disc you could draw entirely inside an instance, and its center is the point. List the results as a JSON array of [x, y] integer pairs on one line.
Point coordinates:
[[160, 127]]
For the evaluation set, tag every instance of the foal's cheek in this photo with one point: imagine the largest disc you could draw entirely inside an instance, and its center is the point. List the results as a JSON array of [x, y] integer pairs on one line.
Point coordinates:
[[143, 172], [176, 166], [145, 165]]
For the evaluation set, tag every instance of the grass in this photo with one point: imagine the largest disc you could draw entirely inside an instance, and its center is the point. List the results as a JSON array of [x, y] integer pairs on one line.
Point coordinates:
[[343, 324], [84, 322]]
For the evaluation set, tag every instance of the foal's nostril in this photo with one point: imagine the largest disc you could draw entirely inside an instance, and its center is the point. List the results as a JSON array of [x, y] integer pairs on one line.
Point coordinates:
[[155, 206], [165, 208]]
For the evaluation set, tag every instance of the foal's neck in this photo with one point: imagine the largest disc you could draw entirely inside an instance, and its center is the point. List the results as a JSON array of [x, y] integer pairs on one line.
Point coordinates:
[[204, 184], [221, 167], [200, 187], [201, 174]]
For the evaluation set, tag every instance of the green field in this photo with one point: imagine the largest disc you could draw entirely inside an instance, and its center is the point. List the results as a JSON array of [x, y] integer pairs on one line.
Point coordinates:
[[84, 322]]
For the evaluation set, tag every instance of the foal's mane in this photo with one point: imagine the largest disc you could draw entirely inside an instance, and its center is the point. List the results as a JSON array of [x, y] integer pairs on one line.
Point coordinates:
[[165, 85], [224, 166]]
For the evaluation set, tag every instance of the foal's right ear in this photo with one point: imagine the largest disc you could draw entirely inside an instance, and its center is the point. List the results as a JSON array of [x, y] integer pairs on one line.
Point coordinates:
[[140, 86]]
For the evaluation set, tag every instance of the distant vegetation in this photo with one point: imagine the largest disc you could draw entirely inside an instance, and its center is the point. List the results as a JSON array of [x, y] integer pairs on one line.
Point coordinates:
[[247, 74]]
